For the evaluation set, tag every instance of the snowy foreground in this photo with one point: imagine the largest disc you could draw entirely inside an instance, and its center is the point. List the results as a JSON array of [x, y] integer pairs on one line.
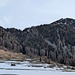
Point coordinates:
[[27, 68]]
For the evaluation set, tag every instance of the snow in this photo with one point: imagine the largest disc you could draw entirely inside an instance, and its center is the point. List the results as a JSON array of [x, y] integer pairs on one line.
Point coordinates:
[[27, 68], [32, 72], [49, 43]]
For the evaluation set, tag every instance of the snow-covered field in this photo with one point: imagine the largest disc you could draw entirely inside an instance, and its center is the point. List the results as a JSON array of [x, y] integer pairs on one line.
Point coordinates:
[[27, 68]]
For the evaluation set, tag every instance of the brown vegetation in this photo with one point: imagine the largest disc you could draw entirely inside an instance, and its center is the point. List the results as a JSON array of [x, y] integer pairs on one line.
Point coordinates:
[[7, 55]]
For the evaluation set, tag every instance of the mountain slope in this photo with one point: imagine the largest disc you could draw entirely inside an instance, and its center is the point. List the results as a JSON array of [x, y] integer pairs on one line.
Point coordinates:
[[56, 41], [8, 41]]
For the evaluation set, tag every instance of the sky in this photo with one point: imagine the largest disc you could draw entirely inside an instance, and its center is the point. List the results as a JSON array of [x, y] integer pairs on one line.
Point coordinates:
[[22, 14]]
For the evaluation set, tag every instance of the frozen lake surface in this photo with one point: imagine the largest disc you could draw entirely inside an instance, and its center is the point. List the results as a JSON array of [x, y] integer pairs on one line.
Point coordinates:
[[27, 68]]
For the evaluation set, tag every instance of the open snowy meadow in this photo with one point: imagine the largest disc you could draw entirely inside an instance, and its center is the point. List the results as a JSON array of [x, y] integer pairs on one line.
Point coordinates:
[[27, 68]]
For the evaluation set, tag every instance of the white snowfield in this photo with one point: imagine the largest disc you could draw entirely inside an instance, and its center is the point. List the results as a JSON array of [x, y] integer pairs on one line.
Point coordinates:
[[27, 68]]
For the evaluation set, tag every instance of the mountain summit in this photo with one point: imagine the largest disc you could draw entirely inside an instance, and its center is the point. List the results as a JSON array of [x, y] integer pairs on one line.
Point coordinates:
[[56, 41]]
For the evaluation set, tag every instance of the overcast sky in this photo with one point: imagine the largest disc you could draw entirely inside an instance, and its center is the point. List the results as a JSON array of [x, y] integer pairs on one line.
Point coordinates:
[[26, 13]]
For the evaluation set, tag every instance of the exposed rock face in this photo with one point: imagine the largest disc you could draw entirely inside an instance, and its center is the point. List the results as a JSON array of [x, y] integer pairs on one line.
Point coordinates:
[[55, 40]]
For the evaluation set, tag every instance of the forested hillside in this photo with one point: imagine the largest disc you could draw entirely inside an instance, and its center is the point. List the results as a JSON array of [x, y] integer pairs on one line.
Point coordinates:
[[55, 40]]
